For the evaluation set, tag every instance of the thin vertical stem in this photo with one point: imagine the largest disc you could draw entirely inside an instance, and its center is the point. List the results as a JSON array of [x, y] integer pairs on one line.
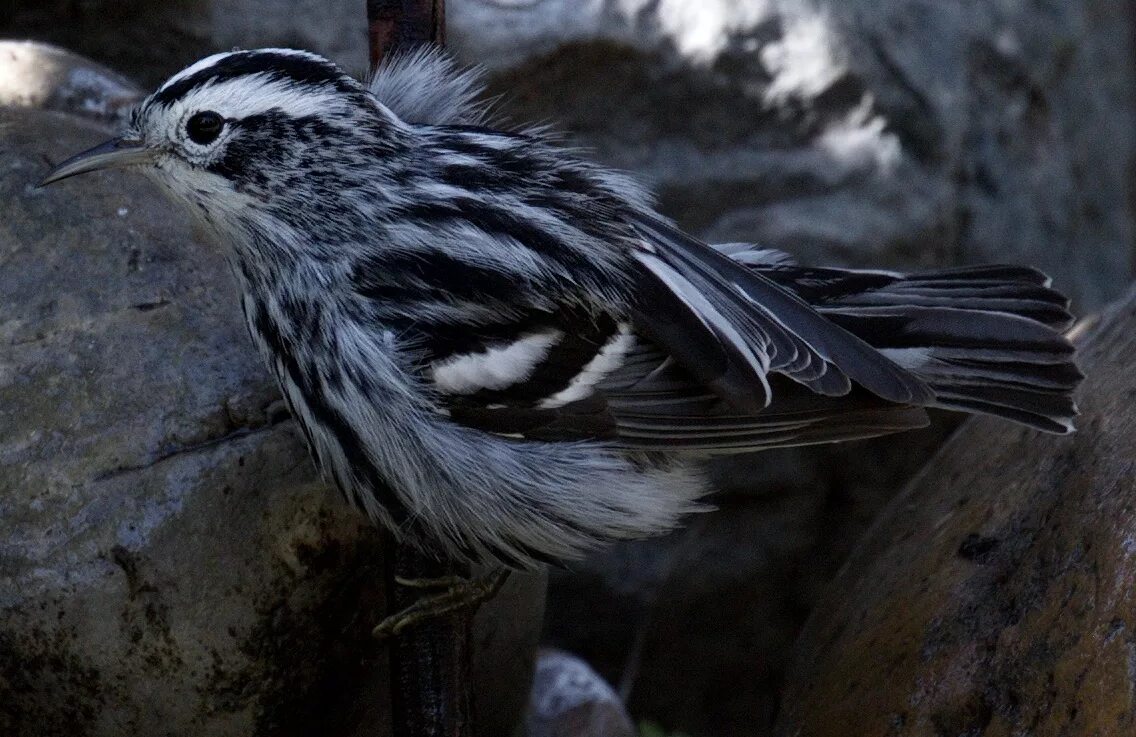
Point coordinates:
[[393, 24], [431, 663], [431, 688]]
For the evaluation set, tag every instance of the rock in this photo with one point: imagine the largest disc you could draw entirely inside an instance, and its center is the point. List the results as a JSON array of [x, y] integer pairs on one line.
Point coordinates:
[[149, 39], [700, 624], [569, 699], [169, 562], [997, 594], [42, 76], [902, 132], [504, 33]]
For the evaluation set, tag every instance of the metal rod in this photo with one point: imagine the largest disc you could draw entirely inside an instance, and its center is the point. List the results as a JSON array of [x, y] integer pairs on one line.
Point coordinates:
[[430, 663], [393, 24]]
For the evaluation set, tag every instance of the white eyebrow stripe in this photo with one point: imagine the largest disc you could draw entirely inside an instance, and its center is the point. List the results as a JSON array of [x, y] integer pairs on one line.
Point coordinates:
[[255, 94]]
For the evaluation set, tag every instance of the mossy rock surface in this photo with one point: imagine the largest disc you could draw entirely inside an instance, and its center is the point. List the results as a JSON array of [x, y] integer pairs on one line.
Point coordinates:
[[997, 594]]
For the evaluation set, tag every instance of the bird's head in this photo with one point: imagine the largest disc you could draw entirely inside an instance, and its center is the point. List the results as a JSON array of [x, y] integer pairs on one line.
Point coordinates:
[[245, 125]]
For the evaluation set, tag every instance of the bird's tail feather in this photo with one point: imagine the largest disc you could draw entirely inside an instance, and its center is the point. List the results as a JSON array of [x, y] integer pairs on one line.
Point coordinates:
[[985, 339]]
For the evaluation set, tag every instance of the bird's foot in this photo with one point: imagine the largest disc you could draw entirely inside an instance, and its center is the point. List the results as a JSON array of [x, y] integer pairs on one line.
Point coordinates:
[[456, 593]]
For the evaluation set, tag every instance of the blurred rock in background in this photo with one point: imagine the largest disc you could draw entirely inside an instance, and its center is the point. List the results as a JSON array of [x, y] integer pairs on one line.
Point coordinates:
[[38, 75], [901, 133], [907, 132], [149, 40], [569, 699]]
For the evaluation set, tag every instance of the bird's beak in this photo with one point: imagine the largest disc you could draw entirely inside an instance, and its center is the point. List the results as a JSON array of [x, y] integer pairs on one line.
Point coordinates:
[[116, 152]]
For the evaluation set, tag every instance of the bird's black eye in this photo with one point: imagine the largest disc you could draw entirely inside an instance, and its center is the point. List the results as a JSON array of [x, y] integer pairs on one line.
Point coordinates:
[[204, 127]]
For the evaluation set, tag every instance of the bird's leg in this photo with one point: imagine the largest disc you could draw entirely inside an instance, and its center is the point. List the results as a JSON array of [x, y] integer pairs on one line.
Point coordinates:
[[457, 593], [442, 582]]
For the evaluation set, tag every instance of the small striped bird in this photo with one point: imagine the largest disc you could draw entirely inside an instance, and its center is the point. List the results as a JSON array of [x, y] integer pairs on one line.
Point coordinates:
[[503, 352]]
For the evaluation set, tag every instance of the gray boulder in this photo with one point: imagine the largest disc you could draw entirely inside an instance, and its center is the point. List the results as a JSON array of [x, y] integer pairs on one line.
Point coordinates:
[[170, 564]]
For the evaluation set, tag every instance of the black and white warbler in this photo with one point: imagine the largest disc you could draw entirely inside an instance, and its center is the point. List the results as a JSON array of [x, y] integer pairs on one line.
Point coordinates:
[[504, 352]]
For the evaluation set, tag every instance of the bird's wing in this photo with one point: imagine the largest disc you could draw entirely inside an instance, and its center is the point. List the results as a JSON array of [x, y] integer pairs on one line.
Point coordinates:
[[698, 364], [602, 381], [731, 327]]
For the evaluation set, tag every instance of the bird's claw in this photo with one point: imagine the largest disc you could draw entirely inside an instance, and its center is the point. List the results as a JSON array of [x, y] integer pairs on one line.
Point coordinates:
[[459, 593]]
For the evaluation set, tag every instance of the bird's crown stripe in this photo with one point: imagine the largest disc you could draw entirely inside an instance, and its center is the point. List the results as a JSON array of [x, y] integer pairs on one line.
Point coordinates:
[[298, 68]]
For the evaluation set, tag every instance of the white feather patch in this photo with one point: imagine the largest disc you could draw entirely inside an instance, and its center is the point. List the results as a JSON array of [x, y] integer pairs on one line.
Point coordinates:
[[495, 368], [908, 358], [609, 358], [752, 255]]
